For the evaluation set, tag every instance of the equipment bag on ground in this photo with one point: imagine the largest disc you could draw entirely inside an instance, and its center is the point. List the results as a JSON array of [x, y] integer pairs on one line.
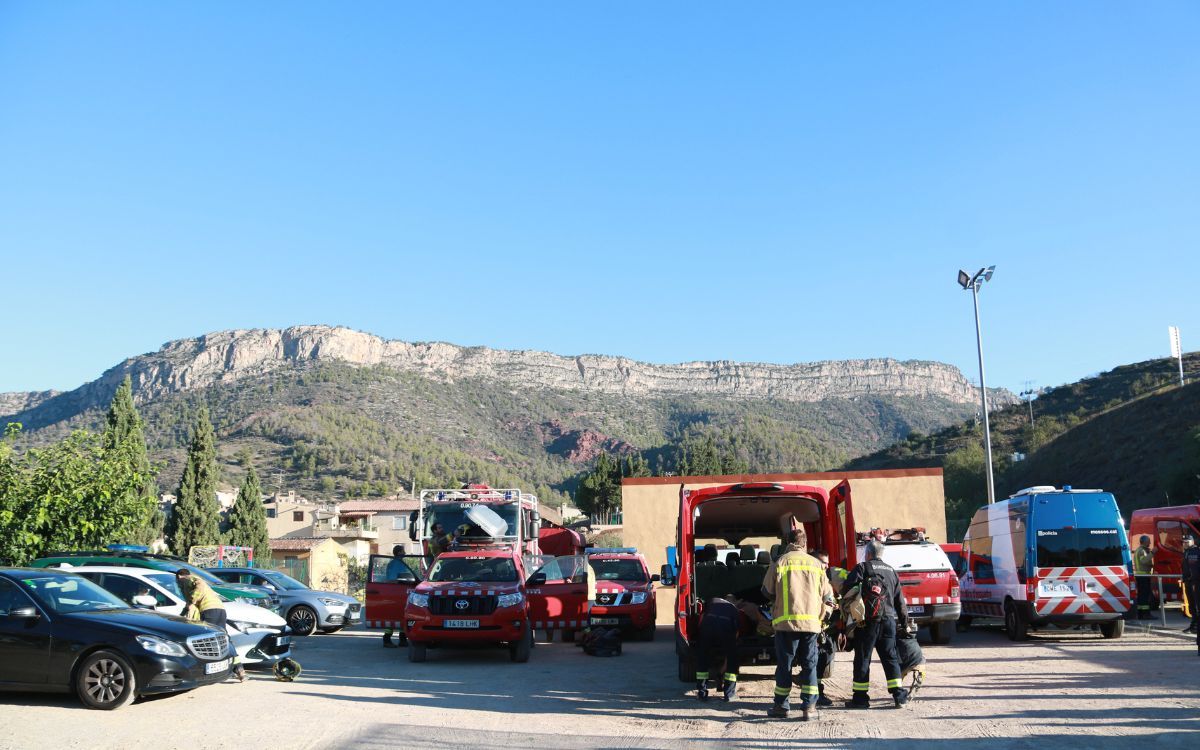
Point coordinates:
[[602, 642]]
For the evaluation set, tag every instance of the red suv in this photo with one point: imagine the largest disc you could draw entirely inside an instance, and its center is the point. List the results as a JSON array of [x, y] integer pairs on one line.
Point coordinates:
[[624, 591]]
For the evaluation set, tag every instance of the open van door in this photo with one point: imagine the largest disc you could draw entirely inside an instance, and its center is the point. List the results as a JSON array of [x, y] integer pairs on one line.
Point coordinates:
[[557, 592], [842, 532], [389, 581]]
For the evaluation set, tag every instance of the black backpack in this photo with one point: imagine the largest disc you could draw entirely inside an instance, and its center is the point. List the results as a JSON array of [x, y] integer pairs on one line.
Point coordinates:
[[874, 592], [602, 642]]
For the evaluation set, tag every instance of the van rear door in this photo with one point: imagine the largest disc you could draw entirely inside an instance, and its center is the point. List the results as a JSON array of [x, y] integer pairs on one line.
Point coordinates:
[[841, 527], [1081, 556]]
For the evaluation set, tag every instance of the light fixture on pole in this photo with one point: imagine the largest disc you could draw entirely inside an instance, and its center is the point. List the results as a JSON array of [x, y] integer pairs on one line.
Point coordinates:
[[974, 283]]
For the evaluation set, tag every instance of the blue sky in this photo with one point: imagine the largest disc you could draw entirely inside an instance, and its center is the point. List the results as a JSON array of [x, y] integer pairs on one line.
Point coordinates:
[[665, 181]]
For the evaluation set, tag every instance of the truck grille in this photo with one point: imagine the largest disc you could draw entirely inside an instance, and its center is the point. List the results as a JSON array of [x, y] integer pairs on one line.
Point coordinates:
[[449, 605], [612, 600], [209, 647]]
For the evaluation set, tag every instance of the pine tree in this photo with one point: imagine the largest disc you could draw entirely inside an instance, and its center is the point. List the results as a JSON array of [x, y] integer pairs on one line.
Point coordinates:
[[248, 518], [125, 440], [196, 520]]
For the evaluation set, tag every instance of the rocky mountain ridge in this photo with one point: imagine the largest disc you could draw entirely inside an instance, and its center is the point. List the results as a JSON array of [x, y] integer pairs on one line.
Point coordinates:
[[225, 357]]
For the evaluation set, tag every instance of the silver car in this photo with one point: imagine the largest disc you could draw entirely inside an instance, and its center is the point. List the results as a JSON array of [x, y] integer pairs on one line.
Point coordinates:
[[306, 610]]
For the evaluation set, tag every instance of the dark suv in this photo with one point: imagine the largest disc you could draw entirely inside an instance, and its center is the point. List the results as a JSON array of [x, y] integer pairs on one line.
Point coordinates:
[[59, 632]]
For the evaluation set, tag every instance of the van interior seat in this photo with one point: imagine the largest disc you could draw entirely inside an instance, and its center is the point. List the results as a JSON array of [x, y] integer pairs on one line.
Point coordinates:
[[764, 558], [747, 553], [714, 580]]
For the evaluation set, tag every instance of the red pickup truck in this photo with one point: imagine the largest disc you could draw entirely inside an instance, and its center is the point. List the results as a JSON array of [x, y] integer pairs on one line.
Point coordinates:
[[624, 591]]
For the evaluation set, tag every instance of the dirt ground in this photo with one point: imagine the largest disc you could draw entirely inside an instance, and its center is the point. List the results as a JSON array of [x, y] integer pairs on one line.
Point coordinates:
[[1062, 685]]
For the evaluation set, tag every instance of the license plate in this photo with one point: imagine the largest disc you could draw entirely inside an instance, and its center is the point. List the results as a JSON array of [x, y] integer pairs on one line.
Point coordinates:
[[916, 610], [605, 621], [461, 623], [1056, 588], [216, 666], [283, 640]]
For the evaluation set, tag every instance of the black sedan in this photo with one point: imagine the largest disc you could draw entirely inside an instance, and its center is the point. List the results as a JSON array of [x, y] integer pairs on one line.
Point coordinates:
[[60, 632]]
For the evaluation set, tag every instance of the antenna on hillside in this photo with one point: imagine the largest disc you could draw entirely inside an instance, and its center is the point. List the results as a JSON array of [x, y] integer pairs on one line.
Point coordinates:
[[1028, 395]]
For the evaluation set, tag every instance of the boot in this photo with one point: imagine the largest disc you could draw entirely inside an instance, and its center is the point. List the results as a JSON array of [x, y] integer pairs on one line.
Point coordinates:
[[778, 711], [901, 697], [702, 690], [729, 691], [860, 700], [809, 713], [387, 640], [823, 701], [239, 672]]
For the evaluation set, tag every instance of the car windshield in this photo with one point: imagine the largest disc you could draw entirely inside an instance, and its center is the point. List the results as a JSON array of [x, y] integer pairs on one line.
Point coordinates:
[[474, 569], [453, 517], [71, 593], [283, 581], [618, 570], [1068, 548]]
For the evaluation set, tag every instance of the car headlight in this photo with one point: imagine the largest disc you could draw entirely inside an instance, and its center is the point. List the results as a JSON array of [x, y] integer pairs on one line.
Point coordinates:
[[510, 600], [418, 600], [332, 602], [160, 646], [245, 600], [243, 626], [638, 597]]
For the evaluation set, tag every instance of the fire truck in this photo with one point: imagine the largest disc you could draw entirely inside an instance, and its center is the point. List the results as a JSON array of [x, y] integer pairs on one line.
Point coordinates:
[[485, 523], [752, 512]]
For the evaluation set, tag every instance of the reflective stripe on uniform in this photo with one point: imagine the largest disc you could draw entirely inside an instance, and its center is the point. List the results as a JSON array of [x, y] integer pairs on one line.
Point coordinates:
[[702, 675], [784, 598], [730, 677], [809, 690], [791, 618], [860, 686], [894, 683], [784, 691]]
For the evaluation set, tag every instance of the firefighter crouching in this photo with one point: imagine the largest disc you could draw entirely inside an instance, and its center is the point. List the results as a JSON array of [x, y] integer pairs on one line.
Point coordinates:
[[720, 626], [803, 596], [203, 605], [1143, 568], [883, 602]]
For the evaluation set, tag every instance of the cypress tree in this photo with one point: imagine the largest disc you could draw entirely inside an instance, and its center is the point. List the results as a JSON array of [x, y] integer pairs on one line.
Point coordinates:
[[248, 518], [124, 440], [196, 520]]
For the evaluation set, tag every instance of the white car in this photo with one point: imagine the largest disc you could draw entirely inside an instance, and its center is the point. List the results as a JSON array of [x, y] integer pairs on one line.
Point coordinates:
[[259, 636]]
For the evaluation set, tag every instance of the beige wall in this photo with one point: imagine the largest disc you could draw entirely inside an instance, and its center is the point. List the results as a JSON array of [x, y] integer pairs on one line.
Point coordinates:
[[899, 498], [326, 570]]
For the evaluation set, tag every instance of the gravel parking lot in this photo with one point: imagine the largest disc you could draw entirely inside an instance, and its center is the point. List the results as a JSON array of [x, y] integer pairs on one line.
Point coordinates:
[[1065, 686]]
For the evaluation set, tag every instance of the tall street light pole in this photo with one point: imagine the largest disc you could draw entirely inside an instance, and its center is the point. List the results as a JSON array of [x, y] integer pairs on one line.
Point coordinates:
[[974, 283]]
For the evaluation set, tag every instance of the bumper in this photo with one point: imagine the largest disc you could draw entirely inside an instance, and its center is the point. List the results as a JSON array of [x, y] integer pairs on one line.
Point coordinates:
[[168, 674], [338, 618], [634, 616], [930, 613], [500, 627], [269, 651]]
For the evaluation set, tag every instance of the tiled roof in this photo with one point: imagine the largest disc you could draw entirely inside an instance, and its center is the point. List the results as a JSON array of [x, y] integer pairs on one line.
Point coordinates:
[[379, 506], [297, 544]]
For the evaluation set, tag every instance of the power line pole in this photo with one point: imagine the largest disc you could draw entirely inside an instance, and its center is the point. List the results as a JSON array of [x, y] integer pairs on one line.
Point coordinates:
[[1028, 395]]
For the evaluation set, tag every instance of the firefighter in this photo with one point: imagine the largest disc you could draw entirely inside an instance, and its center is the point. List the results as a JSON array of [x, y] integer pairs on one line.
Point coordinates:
[[1191, 583], [439, 541], [1143, 568], [879, 588], [719, 629], [826, 641], [803, 596], [395, 571], [205, 606]]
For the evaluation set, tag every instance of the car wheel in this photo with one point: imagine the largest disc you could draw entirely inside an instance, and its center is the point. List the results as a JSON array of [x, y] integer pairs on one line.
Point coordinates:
[[105, 681], [1114, 629], [519, 651], [302, 620], [416, 651], [328, 631], [687, 668], [1014, 623], [941, 632]]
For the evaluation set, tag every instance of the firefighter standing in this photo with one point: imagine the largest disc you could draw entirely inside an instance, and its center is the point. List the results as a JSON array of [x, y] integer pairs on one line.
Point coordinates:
[[396, 570], [439, 541], [719, 629], [803, 596], [1191, 583], [879, 587], [1143, 568]]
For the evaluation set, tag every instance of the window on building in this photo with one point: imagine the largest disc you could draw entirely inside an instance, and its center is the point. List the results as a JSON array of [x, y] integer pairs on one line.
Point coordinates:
[[270, 512], [399, 523], [297, 515]]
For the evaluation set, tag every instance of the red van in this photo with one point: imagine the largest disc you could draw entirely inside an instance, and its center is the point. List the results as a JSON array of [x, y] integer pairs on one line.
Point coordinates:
[[1166, 528]]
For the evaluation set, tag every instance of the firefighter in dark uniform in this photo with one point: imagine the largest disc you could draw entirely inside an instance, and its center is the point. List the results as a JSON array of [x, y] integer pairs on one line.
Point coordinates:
[[1143, 568], [719, 629], [878, 632], [1191, 584], [396, 569]]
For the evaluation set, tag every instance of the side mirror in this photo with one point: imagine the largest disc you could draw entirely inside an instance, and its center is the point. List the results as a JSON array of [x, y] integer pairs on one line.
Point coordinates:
[[535, 528], [24, 613], [144, 601], [537, 579], [667, 577], [412, 525], [655, 577]]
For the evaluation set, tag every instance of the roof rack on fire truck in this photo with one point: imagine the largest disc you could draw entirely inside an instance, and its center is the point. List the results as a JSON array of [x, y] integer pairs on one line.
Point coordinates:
[[610, 551]]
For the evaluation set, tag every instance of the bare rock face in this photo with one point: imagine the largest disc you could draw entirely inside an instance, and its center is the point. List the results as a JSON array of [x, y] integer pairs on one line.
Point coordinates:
[[228, 356], [15, 403]]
